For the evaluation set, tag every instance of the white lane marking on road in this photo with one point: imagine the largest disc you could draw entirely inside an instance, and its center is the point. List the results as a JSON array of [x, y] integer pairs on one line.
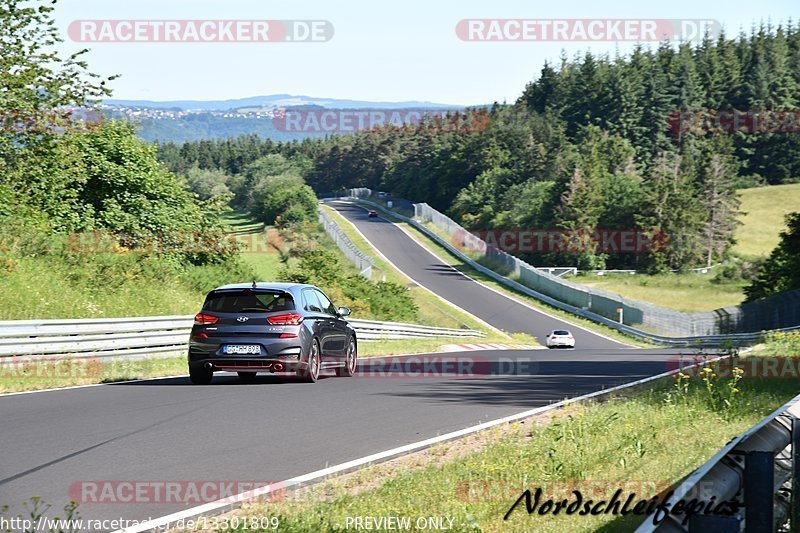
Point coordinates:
[[472, 347]]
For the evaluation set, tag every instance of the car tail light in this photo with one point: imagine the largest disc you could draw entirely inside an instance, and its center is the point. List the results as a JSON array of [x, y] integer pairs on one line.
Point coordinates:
[[288, 335], [201, 319], [290, 319]]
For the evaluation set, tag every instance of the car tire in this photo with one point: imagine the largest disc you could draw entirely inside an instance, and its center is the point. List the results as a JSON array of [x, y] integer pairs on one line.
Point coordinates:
[[247, 377], [310, 373], [199, 375], [350, 361]]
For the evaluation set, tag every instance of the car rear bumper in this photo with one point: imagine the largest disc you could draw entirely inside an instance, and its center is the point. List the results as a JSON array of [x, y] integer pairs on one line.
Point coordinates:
[[277, 355], [250, 365], [561, 344]]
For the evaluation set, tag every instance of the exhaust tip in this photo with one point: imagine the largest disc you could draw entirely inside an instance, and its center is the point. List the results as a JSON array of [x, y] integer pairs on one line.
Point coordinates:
[[209, 366], [278, 367]]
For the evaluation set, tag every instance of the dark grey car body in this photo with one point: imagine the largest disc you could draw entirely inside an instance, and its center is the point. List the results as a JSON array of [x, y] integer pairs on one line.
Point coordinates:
[[242, 319]]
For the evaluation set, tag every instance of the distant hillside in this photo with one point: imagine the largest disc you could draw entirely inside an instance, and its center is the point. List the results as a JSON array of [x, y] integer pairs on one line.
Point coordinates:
[[200, 126], [273, 100], [194, 120]]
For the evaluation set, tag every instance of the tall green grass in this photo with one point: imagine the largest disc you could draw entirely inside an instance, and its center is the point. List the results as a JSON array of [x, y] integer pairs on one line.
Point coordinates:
[[763, 217], [47, 276], [688, 292]]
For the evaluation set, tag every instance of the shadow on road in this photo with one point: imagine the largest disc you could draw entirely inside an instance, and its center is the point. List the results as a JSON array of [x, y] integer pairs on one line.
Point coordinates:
[[219, 379], [518, 381], [527, 391]]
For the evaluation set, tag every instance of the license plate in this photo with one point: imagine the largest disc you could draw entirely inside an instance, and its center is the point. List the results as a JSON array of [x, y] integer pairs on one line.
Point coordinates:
[[243, 349]]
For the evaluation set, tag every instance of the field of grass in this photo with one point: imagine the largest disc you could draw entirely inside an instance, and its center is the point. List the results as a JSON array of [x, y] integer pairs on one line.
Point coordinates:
[[67, 373], [58, 276], [86, 283], [641, 443], [687, 292], [257, 251], [764, 209], [38, 289]]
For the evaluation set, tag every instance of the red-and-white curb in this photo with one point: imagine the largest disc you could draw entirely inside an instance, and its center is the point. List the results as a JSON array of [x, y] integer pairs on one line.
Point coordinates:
[[488, 346]]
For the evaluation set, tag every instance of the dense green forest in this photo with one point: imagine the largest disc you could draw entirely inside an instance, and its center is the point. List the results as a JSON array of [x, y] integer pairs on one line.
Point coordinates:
[[592, 143]]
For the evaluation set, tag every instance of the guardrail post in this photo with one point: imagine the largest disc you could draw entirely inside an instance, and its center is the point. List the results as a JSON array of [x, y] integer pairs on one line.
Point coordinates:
[[794, 513], [759, 485]]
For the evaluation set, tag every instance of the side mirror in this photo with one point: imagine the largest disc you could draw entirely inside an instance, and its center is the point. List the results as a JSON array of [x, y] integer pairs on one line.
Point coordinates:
[[344, 311]]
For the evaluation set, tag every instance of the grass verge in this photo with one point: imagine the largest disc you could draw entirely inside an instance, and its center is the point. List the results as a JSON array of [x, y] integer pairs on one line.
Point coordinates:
[[260, 244], [642, 442], [688, 292], [40, 375], [763, 217]]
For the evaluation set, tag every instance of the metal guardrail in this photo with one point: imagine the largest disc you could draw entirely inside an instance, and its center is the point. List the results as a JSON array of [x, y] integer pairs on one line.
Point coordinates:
[[758, 469], [99, 337], [363, 262], [374, 330], [699, 341]]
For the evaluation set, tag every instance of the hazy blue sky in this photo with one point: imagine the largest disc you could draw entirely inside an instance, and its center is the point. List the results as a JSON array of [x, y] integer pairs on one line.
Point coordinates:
[[381, 51]]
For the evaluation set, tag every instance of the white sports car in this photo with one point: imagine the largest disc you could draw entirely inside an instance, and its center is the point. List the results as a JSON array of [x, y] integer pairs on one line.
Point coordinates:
[[560, 338]]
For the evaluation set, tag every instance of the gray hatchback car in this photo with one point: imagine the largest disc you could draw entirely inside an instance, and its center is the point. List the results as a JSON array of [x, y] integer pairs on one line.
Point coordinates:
[[270, 327]]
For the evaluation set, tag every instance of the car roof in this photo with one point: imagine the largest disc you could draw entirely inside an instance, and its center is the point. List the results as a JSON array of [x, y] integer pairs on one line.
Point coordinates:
[[263, 285]]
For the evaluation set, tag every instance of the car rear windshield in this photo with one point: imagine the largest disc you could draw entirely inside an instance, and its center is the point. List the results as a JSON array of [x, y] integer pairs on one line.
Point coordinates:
[[248, 301], [561, 332]]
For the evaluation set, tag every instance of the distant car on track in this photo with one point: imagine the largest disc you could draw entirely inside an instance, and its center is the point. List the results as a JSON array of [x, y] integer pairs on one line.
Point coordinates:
[[372, 213], [560, 338], [270, 327]]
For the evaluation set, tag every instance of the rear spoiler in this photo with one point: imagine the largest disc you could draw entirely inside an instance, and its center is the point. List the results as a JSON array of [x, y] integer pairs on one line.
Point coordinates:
[[250, 290]]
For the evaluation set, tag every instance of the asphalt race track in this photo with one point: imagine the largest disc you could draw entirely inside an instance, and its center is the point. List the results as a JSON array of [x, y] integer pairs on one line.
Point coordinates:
[[428, 271], [278, 427]]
